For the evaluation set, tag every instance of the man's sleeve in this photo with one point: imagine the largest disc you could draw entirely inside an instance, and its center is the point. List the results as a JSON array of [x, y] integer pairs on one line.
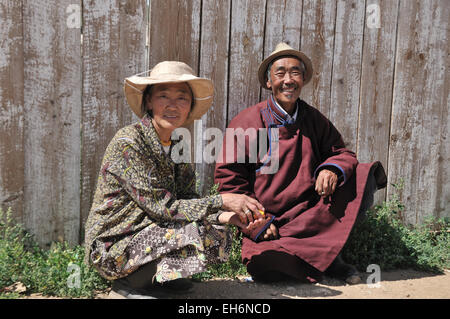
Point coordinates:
[[232, 175]]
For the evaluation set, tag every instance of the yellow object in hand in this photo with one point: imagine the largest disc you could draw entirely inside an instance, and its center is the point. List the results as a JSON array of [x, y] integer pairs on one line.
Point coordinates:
[[261, 211]]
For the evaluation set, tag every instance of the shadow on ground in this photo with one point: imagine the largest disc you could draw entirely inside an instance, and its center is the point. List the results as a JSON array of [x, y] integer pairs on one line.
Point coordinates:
[[396, 284], [238, 289], [405, 283]]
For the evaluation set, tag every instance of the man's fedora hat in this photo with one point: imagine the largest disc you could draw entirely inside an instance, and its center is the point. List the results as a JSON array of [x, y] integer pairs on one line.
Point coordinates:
[[170, 72], [283, 49]]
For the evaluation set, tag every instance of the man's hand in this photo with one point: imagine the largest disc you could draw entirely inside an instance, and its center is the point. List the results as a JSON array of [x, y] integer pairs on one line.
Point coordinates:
[[326, 182], [271, 233]]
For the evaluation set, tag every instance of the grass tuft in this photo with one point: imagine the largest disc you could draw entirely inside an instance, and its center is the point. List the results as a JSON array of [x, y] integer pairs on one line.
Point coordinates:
[[383, 239], [58, 271]]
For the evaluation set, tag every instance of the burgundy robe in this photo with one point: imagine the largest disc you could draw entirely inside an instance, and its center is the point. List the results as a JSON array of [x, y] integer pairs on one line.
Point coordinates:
[[312, 228]]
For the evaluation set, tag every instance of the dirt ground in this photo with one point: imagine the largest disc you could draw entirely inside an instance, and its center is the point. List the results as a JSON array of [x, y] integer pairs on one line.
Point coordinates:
[[399, 284]]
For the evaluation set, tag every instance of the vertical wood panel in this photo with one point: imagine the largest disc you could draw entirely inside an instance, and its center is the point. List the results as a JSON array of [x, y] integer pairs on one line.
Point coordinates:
[[246, 53], [11, 108], [317, 41], [214, 65], [347, 69], [175, 31], [283, 24], [114, 36], [419, 150], [376, 85], [175, 36], [52, 101]]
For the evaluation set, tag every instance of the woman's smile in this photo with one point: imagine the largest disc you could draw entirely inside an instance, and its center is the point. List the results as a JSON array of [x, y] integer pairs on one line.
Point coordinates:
[[171, 116]]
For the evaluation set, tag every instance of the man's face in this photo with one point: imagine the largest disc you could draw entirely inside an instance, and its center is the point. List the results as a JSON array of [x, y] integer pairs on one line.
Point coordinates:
[[286, 81]]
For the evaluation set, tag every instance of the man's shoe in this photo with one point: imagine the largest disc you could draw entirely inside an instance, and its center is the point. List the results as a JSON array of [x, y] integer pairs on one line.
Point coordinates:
[[343, 271]]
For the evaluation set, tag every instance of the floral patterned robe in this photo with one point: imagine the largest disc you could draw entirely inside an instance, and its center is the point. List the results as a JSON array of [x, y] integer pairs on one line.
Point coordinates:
[[145, 208]]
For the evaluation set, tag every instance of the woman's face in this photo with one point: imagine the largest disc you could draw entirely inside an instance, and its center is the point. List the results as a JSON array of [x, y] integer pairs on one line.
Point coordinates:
[[170, 104]]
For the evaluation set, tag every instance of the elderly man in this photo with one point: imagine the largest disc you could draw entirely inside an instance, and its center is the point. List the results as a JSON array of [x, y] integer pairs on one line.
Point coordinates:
[[317, 189]]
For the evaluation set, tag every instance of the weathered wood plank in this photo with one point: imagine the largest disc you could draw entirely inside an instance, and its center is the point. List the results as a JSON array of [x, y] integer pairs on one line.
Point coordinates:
[[377, 75], [114, 34], [283, 24], [52, 106], [246, 53], [175, 31], [317, 41], [347, 69], [419, 150], [11, 108], [214, 65]]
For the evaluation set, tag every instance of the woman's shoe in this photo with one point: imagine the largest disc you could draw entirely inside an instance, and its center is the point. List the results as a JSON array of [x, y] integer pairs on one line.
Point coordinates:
[[181, 285], [120, 288]]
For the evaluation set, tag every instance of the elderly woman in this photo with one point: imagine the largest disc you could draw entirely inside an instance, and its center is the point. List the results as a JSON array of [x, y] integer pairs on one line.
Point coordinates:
[[148, 228]]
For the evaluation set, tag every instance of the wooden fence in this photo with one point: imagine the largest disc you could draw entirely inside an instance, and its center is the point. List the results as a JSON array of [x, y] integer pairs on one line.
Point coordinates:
[[380, 74]]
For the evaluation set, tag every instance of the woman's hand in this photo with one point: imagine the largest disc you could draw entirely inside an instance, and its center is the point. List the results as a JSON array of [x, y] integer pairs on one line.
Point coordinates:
[[247, 208], [231, 218]]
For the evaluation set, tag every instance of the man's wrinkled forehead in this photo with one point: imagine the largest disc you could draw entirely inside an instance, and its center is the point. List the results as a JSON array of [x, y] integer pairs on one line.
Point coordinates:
[[301, 65], [285, 57]]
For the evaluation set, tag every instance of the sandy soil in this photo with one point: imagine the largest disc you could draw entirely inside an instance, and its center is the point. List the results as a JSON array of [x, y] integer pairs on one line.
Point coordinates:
[[400, 284]]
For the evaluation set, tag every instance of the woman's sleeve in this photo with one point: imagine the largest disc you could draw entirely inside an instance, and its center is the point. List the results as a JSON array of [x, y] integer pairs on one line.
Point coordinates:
[[133, 172], [187, 187]]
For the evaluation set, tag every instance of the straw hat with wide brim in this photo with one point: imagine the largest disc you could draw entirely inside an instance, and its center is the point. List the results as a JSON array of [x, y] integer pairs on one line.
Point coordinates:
[[170, 72], [283, 49]]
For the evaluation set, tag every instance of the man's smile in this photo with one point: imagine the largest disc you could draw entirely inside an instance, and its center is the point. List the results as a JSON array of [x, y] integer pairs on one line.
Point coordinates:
[[290, 89]]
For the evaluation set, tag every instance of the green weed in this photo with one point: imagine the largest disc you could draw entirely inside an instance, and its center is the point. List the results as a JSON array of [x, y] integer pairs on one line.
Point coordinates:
[[383, 239], [233, 267], [58, 271]]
